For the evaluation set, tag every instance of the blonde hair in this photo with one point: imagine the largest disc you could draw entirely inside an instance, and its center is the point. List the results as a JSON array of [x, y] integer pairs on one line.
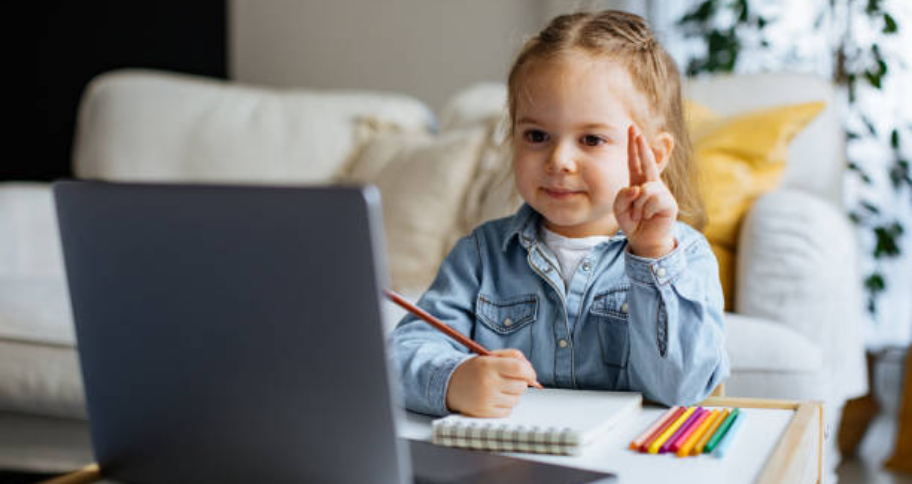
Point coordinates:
[[626, 38]]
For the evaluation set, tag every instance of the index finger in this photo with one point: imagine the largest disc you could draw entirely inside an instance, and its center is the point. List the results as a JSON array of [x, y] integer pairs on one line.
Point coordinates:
[[633, 158], [519, 369], [647, 159]]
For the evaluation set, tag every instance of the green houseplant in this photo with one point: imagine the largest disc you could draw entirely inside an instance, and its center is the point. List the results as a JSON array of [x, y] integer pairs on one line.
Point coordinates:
[[729, 28]]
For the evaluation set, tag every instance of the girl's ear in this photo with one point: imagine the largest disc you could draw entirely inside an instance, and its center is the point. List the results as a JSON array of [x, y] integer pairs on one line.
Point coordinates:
[[662, 146]]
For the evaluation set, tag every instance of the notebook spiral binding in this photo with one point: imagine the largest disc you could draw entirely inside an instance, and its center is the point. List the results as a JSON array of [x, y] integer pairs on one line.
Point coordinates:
[[505, 438]]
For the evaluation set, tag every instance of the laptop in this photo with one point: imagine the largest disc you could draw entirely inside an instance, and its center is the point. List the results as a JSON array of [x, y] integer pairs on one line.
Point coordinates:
[[233, 334]]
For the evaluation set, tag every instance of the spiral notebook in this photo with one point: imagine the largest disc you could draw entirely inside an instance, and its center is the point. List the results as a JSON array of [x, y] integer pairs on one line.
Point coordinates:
[[548, 421]]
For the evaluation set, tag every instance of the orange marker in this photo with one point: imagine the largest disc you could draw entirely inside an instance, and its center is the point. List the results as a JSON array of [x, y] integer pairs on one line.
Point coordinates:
[[695, 437], [653, 429], [688, 433], [698, 448]]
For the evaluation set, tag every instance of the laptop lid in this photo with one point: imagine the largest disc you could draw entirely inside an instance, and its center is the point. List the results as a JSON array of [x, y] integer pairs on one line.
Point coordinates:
[[231, 334]]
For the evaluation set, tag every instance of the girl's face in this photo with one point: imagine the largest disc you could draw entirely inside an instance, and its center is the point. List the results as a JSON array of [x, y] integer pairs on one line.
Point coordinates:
[[570, 141]]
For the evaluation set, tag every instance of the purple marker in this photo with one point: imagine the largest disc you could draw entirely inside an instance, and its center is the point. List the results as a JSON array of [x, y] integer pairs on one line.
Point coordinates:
[[683, 428]]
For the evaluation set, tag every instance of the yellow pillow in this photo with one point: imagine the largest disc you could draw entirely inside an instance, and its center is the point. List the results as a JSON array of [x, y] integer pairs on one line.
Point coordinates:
[[739, 158]]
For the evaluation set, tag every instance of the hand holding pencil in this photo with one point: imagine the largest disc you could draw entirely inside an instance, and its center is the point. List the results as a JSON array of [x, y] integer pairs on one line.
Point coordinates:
[[489, 385]]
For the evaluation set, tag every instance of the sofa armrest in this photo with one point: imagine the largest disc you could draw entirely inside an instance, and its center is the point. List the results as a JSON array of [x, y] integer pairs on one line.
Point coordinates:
[[30, 244], [798, 265]]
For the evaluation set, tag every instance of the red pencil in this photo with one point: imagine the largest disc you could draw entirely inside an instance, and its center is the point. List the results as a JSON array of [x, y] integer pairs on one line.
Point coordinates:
[[644, 447], [683, 428], [452, 333]]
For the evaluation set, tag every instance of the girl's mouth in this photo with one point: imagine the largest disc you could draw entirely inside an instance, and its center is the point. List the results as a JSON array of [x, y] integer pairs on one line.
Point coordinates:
[[560, 193]]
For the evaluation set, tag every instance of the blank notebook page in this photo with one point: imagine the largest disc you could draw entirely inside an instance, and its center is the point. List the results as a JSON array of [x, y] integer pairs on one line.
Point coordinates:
[[554, 421]]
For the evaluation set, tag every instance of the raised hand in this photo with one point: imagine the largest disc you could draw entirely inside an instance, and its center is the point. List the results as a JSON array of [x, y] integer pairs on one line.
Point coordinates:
[[490, 386], [646, 209]]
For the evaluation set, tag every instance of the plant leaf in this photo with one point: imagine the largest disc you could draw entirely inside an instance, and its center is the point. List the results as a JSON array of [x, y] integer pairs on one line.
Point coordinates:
[[868, 124], [870, 207], [887, 243], [873, 7], [875, 283], [889, 24]]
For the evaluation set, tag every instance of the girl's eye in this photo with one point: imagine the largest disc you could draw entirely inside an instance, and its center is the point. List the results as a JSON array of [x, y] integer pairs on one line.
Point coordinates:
[[535, 136], [592, 140]]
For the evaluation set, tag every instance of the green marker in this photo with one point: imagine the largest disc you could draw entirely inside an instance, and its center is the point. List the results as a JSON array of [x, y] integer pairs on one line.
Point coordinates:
[[714, 441]]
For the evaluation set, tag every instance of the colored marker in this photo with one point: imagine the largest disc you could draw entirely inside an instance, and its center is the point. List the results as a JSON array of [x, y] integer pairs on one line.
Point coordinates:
[[655, 435], [723, 446], [714, 441], [638, 442], [698, 433], [701, 444], [657, 443], [683, 428], [685, 436]]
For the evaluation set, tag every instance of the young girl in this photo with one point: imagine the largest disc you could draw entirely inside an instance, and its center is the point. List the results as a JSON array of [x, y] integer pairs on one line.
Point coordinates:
[[593, 283]]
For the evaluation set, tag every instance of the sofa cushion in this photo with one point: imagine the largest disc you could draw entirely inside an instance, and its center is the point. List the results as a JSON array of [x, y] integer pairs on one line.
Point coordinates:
[[36, 443], [492, 193], [39, 369], [137, 125], [816, 155], [40, 379], [29, 241], [476, 104], [796, 247], [757, 344], [739, 158], [36, 310], [422, 181]]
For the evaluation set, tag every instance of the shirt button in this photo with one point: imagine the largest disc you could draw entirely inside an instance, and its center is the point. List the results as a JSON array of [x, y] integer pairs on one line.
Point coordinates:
[[624, 308], [587, 266], [660, 272], [563, 343], [508, 322], [547, 269]]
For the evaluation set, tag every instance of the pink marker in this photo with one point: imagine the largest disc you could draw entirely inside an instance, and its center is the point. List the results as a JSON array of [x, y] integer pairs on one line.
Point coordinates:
[[675, 436], [676, 446]]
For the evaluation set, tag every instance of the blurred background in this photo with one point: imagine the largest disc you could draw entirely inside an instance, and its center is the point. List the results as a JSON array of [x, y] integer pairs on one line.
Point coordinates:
[[430, 49]]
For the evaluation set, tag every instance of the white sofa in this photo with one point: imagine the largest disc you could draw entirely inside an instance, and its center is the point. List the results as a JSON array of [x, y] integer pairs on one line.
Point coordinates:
[[795, 335]]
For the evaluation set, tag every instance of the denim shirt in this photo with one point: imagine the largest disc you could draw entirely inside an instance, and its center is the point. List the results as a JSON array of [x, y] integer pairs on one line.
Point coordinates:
[[624, 323]]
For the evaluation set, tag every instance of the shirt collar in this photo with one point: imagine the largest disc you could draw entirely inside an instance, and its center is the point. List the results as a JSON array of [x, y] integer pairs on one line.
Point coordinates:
[[524, 225]]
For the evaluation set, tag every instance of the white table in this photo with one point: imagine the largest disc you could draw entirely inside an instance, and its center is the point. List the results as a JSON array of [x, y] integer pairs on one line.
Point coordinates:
[[778, 442]]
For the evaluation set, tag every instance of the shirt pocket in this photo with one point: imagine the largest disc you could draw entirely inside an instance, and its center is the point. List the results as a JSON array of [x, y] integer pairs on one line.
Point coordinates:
[[506, 323], [506, 316], [609, 311]]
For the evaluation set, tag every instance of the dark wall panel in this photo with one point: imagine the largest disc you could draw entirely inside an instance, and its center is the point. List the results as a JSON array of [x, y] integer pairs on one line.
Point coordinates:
[[76, 40]]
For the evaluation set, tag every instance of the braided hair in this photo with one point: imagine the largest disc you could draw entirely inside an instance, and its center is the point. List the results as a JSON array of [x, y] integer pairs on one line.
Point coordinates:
[[626, 38]]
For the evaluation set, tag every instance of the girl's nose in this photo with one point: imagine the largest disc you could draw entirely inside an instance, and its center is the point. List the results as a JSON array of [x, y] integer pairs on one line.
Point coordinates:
[[561, 159]]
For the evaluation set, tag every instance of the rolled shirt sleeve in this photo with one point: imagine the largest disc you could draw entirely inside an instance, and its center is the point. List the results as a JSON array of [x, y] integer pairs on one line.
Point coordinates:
[[426, 358], [677, 338]]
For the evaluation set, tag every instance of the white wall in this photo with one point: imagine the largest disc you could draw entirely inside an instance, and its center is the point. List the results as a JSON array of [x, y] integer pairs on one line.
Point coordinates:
[[425, 48]]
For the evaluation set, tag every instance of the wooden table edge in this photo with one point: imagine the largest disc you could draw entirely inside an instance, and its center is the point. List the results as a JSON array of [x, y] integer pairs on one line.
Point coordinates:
[[86, 475], [782, 465]]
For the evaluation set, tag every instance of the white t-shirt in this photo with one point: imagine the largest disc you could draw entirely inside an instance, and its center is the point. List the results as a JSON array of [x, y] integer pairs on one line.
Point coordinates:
[[570, 251]]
